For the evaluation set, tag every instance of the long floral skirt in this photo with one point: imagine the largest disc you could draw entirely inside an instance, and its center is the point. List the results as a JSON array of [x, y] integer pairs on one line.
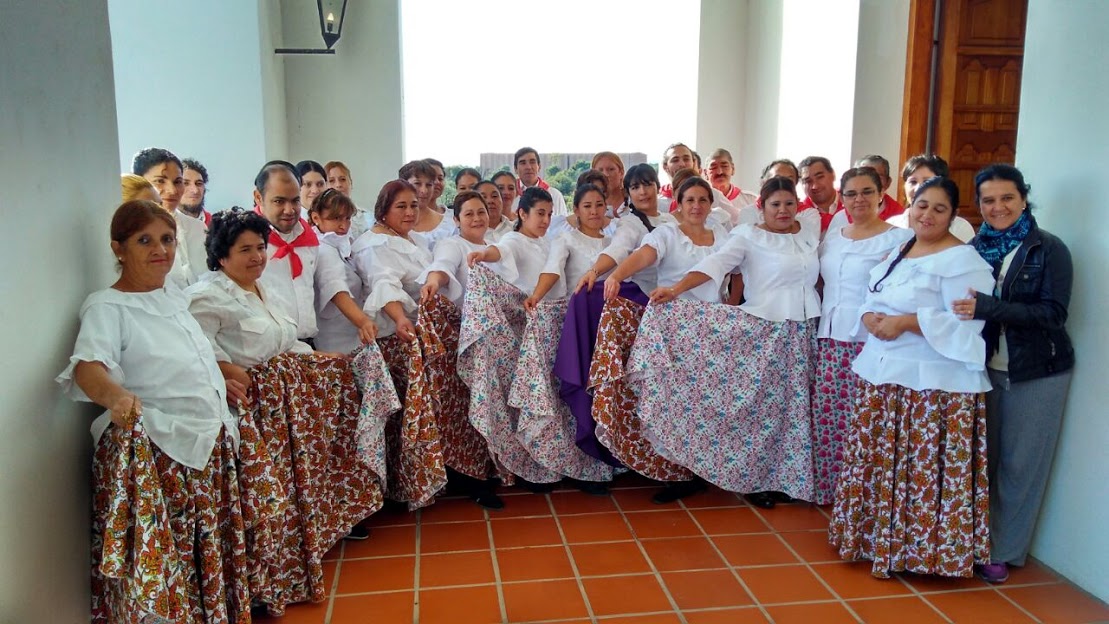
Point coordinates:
[[546, 427], [834, 391], [306, 408], [913, 493], [614, 404], [726, 394], [493, 322], [168, 542]]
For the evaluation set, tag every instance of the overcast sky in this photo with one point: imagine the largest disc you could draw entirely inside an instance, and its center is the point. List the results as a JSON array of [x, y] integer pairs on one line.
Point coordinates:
[[558, 75]]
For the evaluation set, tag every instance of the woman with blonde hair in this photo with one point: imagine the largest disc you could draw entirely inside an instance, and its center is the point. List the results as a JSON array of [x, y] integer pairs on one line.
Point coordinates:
[[137, 187], [612, 167]]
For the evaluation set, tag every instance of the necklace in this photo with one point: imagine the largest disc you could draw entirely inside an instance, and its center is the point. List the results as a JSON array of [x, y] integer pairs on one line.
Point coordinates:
[[392, 231]]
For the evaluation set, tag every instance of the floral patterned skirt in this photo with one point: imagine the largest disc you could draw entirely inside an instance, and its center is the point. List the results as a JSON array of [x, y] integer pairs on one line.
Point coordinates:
[[168, 542], [913, 493], [493, 322], [306, 410], [834, 391], [614, 404], [726, 394], [546, 427]]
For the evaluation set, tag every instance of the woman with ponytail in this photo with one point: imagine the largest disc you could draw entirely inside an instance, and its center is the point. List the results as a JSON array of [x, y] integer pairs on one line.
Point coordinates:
[[913, 493]]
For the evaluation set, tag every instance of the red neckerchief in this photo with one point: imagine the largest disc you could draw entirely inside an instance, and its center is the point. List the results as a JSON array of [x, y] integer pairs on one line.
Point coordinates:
[[207, 218], [825, 217], [307, 238], [666, 191], [541, 184], [733, 193], [890, 208]]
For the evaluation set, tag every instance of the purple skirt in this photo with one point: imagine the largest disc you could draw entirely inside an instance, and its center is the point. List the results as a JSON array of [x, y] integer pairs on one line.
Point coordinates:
[[575, 354]]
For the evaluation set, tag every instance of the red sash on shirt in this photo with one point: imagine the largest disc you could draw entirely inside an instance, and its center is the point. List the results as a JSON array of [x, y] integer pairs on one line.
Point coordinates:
[[541, 184], [207, 218], [825, 217], [307, 238], [666, 191], [734, 193]]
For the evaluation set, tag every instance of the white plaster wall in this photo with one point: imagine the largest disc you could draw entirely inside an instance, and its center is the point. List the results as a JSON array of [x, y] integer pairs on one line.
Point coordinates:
[[880, 81], [190, 78], [58, 186], [762, 91], [1063, 150], [721, 75], [347, 106]]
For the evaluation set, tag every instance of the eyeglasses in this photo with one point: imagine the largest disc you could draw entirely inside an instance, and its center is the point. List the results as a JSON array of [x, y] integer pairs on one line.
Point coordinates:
[[865, 193]]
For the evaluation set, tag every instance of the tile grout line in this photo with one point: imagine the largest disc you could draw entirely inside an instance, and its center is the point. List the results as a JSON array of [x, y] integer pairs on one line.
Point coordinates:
[[1016, 604], [335, 583], [496, 566], [573, 563], [647, 558], [416, 570], [731, 568], [921, 596]]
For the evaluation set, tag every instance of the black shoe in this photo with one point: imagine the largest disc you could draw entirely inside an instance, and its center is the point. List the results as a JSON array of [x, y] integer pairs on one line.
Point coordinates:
[[593, 488], [358, 533], [535, 488], [678, 490], [781, 497], [762, 500], [488, 500]]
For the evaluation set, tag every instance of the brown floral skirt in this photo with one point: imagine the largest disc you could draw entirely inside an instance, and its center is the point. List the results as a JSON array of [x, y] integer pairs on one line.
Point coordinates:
[[913, 494], [306, 412], [614, 404], [168, 542]]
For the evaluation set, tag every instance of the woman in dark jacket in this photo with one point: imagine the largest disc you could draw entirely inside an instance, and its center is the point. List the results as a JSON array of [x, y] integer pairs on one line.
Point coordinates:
[[1029, 357]]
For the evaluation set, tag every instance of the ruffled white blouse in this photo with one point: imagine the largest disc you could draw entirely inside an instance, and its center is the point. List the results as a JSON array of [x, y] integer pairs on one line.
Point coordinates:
[[445, 229], [779, 270], [522, 260], [155, 349], [242, 328], [845, 265], [951, 354], [572, 255], [190, 260], [677, 254], [627, 238], [335, 274], [389, 266], [450, 257]]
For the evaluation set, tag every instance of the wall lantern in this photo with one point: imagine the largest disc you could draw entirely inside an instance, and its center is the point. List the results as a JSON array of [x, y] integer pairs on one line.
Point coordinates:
[[332, 13]]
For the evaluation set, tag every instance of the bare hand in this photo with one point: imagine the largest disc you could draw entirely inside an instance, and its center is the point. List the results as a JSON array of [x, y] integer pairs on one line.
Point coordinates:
[[888, 328], [964, 308], [586, 281], [531, 304], [663, 295], [367, 330], [126, 410], [871, 319], [612, 288], [406, 331], [237, 395], [428, 291], [474, 258]]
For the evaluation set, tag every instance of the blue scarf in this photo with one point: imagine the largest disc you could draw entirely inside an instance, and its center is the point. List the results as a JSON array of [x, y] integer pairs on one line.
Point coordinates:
[[993, 245]]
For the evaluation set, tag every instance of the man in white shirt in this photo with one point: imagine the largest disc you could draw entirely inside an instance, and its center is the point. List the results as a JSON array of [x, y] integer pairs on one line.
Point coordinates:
[[293, 247], [676, 157], [196, 187], [526, 162], [164, 170]]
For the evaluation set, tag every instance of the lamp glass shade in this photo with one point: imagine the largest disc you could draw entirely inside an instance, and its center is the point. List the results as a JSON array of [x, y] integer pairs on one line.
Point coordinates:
[[332, 13]]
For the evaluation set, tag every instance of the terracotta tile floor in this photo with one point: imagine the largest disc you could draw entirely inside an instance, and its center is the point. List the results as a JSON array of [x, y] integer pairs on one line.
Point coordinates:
[[568, 557]]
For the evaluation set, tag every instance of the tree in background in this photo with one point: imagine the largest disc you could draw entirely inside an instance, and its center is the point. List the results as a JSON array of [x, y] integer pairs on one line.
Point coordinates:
[[565, 180]]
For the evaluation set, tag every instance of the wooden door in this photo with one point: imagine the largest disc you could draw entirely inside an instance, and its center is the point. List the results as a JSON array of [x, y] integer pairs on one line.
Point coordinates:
[[977, 86]]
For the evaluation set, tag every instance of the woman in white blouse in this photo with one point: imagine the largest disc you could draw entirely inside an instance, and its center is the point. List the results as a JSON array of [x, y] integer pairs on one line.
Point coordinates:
[[142, 357], [431, 224], [641, 217], [778, 261], [448, 272], [343, 325], [574, 251], [672, 249], [499, 224], [913, 493], [519, 257], [847, 256]]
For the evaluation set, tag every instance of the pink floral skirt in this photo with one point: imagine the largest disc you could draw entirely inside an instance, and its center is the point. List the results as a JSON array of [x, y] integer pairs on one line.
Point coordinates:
[[835, 389]]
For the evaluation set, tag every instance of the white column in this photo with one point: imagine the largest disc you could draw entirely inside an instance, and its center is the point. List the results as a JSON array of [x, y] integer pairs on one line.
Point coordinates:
[[721, 78], [1063, 149], [59, 184], [880, 81]]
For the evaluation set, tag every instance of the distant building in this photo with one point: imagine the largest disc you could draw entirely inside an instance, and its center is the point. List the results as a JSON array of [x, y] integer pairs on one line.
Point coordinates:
[[491, 162]]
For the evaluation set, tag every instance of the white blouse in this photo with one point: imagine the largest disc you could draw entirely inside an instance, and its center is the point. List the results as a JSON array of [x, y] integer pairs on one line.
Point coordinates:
[[677, 254], [242, 328], [296, 296], [779, 270], [845, 265], [190, 260], [445, 229], [504, 227], [389, 266], [522, 260], [335, 274], [572, 255], [450, 257], [627, 238], [155, 349], [951, 354]]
